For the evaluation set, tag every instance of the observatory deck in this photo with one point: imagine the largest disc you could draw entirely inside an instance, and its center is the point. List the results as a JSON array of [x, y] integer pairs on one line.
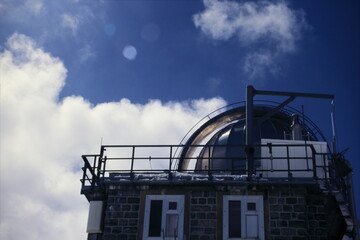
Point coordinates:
[[288, 162]]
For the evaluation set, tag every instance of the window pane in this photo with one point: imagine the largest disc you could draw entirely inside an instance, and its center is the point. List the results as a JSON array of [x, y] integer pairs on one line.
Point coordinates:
[[155, 218], [234, 218], [172, 205], [252, 226], [171, 225], [251, 206]]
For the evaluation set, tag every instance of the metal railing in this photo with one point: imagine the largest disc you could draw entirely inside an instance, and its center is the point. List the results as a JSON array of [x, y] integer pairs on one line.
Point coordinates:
[[272, 161]]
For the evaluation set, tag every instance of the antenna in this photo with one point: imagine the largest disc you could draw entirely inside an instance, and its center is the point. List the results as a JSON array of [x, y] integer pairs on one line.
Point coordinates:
[[333, 126]]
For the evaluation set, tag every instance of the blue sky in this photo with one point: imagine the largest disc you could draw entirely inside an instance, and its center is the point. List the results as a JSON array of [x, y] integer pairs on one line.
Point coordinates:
[[75, 71]]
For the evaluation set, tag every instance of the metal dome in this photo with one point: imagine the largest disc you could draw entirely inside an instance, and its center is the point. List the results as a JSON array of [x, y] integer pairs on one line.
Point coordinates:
[[227, 137]]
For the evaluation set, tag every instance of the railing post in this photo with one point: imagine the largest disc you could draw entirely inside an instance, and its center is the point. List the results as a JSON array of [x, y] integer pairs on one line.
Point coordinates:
[[325, 168], [307, 157], [99, 163], [170, 162], [104, 167], [209, 164], [314, 163], [288, 162], [132, 163]]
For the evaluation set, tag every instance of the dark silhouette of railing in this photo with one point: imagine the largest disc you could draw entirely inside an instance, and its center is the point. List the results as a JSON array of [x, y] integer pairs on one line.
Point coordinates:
[[128, 161]]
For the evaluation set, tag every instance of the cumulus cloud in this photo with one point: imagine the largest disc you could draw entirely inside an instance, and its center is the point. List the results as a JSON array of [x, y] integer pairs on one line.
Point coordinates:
[[42, 139], [273, 25]]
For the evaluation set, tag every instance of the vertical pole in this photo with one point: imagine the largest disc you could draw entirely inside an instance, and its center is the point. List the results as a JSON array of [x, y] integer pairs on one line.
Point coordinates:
[[132, 163], [170, 162], [104, 167], [99, 163], [288, 162], [249, 149], [314, 165], [325, 168]]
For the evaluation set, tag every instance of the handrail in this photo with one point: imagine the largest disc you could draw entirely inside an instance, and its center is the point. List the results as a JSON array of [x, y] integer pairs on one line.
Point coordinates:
[[127, 158]]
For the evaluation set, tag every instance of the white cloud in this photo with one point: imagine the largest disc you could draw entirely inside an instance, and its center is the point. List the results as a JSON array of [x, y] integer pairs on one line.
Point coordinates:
[[272, 24], [70, 21], [259, 63], [86, 53], [34, 6], [42, 140]]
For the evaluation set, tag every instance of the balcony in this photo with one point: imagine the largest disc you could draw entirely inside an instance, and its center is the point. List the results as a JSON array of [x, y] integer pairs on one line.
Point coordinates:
[[275, 161]]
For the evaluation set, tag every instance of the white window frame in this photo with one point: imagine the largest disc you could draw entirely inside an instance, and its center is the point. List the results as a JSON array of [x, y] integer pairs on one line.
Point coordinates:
[[259, 212], [179, 199]]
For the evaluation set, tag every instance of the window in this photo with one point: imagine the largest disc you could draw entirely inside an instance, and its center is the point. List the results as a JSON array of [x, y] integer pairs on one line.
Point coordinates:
[[243, 217], [164, 217]]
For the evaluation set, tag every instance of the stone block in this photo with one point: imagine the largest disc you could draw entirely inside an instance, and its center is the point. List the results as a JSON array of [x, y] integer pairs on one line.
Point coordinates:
[[123, 222], [197, 194], [200, 208], [320, 216], [126, 207], [274, 215], [291, 200], [194, 237], [120, 200], [275, 231], [194, 223], [131, 215], [111, 222], [273, 200], [299, 208], [276, 208], [301, 232], [287, 208], [285, 215], [282, 223], [135, 207], [210, 230], [130, 230], [133, 200], [297, 224], [202, 200], [116, 230], [133, 222]]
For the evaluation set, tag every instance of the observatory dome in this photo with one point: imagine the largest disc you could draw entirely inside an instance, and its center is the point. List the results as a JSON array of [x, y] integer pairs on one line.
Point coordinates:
[[224, 137]]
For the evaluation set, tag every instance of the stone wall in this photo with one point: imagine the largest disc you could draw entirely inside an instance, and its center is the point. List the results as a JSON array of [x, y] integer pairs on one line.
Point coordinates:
[[295, 214], [290, 212], [288, 218], [203, 215], [121, 221]]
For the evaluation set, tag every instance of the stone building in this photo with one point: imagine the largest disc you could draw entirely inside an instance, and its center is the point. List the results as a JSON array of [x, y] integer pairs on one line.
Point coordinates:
[[251, 171]]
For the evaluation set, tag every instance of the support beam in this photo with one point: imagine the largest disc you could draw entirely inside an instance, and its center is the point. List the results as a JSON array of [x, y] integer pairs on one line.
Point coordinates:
[[249, 149], [275, 110]]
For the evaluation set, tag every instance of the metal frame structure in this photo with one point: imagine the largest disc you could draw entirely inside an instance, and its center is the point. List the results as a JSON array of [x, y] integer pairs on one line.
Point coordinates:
[[250, 93]]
